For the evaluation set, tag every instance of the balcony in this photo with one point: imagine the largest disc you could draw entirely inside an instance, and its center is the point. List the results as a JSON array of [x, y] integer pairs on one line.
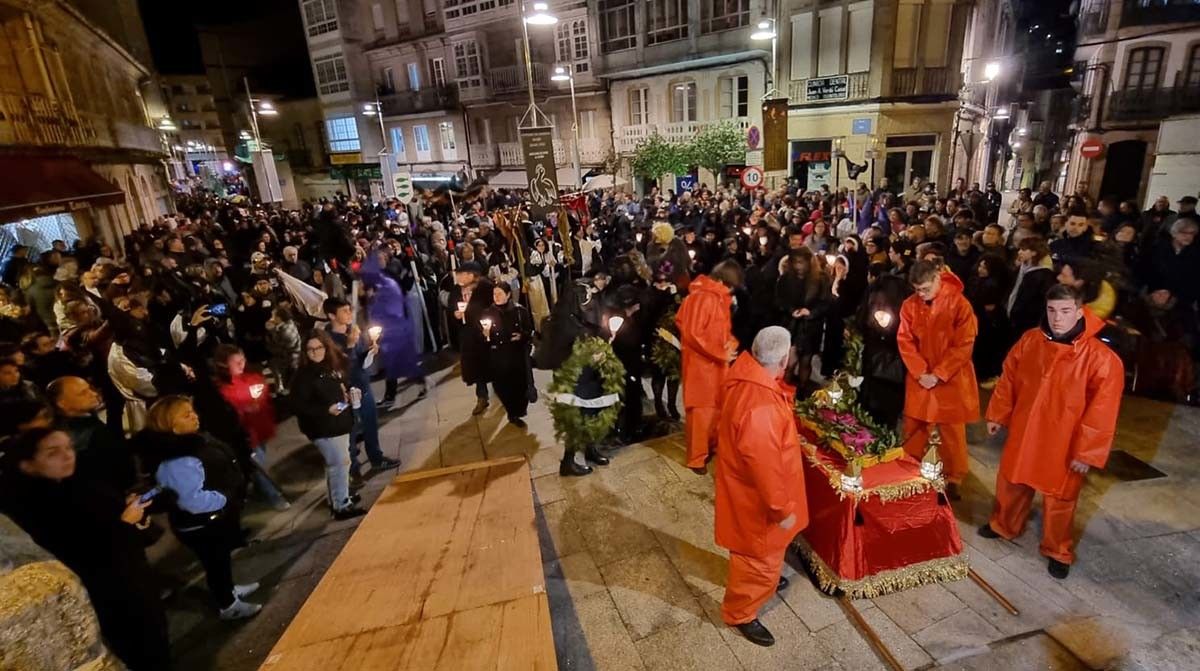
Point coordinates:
[[1154, 104], [484, 155], [430, 99], [857, 87], [1157, 12], [924, 81], [511, 79], [629, 137], [38, 120], [1094, 18], [592, 151]]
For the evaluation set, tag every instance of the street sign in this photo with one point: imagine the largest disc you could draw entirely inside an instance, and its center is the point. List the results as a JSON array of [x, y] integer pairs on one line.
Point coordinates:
[[1091, 148], [404, 186], [827, 88], [684, 183], [860, 126], [752, 177]]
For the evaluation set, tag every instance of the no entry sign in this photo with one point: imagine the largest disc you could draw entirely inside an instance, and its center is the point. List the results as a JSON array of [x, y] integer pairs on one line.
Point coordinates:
[[1091, 148]]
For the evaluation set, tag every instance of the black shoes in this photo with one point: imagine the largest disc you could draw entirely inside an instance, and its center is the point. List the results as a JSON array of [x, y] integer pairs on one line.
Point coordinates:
[[988, 532], [952, 491], [568, 467], [783, 584], [481, 407], [1058, 569], [756, 633], [594, 455], [518, 422], [386, 464], [348, 513], [660, 410]]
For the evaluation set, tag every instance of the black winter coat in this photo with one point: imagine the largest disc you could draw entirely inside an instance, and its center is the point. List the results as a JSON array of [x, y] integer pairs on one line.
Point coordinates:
[[314, 389]]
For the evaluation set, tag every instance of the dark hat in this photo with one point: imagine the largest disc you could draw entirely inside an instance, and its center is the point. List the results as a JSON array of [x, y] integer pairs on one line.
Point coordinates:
[[1188, 200], [904, 248], [470, 267]]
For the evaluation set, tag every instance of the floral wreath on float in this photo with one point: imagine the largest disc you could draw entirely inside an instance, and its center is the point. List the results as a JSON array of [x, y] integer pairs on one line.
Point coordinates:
[[665, 351], [585, 394]]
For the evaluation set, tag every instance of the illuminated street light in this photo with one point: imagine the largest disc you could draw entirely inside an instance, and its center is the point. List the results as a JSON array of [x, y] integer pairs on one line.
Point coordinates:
[[167, 124], [265, 108], [991, 70], [565, 74], [541, 15], [767, 31]]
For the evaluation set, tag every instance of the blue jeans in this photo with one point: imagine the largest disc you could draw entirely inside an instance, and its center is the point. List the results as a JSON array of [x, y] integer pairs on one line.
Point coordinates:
[[366, 426], [336, 452], [262, 481]]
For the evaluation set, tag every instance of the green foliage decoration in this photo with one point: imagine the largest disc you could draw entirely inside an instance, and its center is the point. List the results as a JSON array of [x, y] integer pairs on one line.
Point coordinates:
[[571, 426]]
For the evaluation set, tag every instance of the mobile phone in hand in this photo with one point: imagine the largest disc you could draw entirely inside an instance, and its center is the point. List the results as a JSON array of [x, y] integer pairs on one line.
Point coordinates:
[[149, 496]]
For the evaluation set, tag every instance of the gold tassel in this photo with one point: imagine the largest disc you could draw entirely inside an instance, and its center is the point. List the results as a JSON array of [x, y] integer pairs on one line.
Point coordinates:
[[942, 569], [890, 492]]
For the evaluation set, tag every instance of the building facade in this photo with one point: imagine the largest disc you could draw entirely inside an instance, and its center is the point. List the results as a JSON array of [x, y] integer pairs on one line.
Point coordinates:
[[1137, 63], [78, 136], [198, 136]]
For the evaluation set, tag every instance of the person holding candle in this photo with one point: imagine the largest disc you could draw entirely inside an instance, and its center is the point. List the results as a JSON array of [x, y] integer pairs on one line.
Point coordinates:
[[250, 397], [878, 320], [471, 295], [507, 328]]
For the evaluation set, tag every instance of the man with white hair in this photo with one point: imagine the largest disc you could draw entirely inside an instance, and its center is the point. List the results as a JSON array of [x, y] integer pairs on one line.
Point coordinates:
[[760, 498], [292, 265]]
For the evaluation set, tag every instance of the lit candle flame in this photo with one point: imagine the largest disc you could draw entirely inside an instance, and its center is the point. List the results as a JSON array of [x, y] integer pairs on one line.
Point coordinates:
[[883, 318], [830, 259], [639, 237], [486, 324], [256, 391], [692, 253], [614, 324], [762, 240], [375, 332]]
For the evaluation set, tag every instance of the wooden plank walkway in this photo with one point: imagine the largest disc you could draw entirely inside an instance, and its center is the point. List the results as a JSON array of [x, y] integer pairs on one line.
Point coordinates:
[[444, 573]]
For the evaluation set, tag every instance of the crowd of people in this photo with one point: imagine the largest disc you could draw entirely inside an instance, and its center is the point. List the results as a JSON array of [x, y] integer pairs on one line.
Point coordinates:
[[147, 379]]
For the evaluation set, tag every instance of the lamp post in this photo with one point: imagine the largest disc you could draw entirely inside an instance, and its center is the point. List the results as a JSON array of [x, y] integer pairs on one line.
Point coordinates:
[[768, 30], [386, 166], [871, 155], [541, 16], [265, 176], [836, 154], [568, 74]]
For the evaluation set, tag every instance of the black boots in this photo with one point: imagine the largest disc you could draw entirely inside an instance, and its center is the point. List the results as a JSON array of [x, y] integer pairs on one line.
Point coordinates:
[[756, 633], [593, 454], [987, 531], [568, 466], [1058, 569], [783, 584]]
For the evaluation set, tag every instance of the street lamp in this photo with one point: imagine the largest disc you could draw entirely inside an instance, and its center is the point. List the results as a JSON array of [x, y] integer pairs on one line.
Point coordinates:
[[567, 74], [872, 154], [541, 16], [264, 163], [767, 31], [836, 154], [386, 166], [991, 71]]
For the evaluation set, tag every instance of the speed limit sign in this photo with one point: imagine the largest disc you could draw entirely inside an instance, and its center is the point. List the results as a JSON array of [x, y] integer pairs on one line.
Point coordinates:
[[752, 177]]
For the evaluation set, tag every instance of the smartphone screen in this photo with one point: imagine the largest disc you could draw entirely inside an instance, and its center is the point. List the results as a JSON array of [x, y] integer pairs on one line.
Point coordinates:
[[149, 496], [220, 309]]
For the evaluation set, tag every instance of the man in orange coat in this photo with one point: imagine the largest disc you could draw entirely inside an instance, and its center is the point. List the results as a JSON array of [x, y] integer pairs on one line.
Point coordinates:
[[705, 322], [937, 334], [1059, 396], [760, 499]]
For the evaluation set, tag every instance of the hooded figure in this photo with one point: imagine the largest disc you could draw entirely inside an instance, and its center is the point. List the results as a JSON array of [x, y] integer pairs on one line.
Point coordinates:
[[1059, 396], [390, 310], [705, 323], [936, 338], [760, 499]]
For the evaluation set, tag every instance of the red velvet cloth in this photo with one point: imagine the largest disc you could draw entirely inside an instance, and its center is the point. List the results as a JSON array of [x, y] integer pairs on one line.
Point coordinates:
[[858, 539]]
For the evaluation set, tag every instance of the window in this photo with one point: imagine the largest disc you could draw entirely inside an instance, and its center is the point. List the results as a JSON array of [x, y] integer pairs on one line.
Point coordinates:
[[829, 42], [421, 142], [387, 80], [618, 29], [331, 74], [735, 96], [639, 107], [587, 124], [905, 51], [398, 149], [342, 133], [377, 15], [461, 8], [466, 64], [858, 44], [414, 77], [718, 15], [1191, 69], [935, 34], [668, 20], [446, 131], [683, 101], [571, 45], [320, 16], [437, 71], [1144, 67]]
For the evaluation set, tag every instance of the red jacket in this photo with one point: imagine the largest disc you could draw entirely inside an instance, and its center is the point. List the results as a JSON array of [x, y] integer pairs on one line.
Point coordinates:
[[257, 415], [760, 472], [705, 324], [1060, 403], [938, 339]]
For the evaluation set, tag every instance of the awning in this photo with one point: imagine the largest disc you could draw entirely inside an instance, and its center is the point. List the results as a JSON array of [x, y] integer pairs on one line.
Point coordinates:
[[35, 186], [602, 182]]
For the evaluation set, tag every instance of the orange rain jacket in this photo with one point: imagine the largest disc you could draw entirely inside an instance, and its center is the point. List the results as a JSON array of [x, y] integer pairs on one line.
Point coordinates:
[[760, 475], [1059, 402], [705, 324], [938, 339]]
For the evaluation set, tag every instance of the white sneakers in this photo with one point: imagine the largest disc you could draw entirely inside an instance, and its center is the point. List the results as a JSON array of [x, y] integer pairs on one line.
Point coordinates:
[[239, 609]]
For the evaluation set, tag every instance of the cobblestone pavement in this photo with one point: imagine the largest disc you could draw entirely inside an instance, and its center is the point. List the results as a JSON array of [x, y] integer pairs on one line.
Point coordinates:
[[635, 580]]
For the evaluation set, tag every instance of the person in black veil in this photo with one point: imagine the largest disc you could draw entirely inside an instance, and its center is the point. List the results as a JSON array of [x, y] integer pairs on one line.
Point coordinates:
[[878, 320], [507, 329]]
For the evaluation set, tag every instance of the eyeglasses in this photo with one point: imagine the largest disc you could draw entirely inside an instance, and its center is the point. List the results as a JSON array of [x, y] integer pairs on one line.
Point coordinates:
[[314, 350]]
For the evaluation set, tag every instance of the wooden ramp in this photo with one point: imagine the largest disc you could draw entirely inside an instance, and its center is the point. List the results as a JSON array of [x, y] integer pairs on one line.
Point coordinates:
[[443, 573]]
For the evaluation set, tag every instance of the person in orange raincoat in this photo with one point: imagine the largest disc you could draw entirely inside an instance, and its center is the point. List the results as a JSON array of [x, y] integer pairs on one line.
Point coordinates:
[[705, 321], [760, 498], [937, 334], [1059, 396]]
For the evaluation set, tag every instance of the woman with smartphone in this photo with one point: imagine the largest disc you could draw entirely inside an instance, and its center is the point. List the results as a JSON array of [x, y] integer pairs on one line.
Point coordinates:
[[322, 405], [93, 530]]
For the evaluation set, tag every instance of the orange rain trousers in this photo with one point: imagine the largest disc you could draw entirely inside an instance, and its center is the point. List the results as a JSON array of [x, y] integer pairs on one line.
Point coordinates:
[[751, 582], [700, 432], [953, 451], [1013, 502]]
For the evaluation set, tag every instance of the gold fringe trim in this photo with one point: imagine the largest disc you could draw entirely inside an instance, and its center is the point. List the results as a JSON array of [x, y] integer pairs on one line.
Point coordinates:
[[890, 492], [942, 569]]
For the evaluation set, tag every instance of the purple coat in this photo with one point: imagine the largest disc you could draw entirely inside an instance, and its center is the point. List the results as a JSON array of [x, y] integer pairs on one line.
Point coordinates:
[[389, 309]]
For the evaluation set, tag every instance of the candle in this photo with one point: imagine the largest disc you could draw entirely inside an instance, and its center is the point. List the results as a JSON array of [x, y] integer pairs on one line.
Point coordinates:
[[639, 237], [375, 332], [486, 324], [762, 240], [256, 390], [692, 254], [830, 259], [883, 318], [614, 324], [746, 230]]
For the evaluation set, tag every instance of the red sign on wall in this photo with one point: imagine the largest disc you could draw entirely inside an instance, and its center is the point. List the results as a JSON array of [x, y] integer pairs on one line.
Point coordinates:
[[1091, 148]]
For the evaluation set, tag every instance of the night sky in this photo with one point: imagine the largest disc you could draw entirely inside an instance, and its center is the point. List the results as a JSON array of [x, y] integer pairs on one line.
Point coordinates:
[[281, 65]]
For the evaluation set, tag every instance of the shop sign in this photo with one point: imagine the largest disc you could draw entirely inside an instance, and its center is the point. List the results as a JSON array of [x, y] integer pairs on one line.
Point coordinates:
[[827, 88], [367, 171], [346, 158]]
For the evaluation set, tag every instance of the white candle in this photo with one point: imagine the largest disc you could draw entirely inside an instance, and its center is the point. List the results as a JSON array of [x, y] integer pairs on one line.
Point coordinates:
[[256, 390]]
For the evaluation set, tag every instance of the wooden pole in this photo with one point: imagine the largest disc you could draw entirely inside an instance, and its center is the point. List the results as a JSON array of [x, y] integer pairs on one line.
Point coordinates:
[[987, 587], [868, 633]]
